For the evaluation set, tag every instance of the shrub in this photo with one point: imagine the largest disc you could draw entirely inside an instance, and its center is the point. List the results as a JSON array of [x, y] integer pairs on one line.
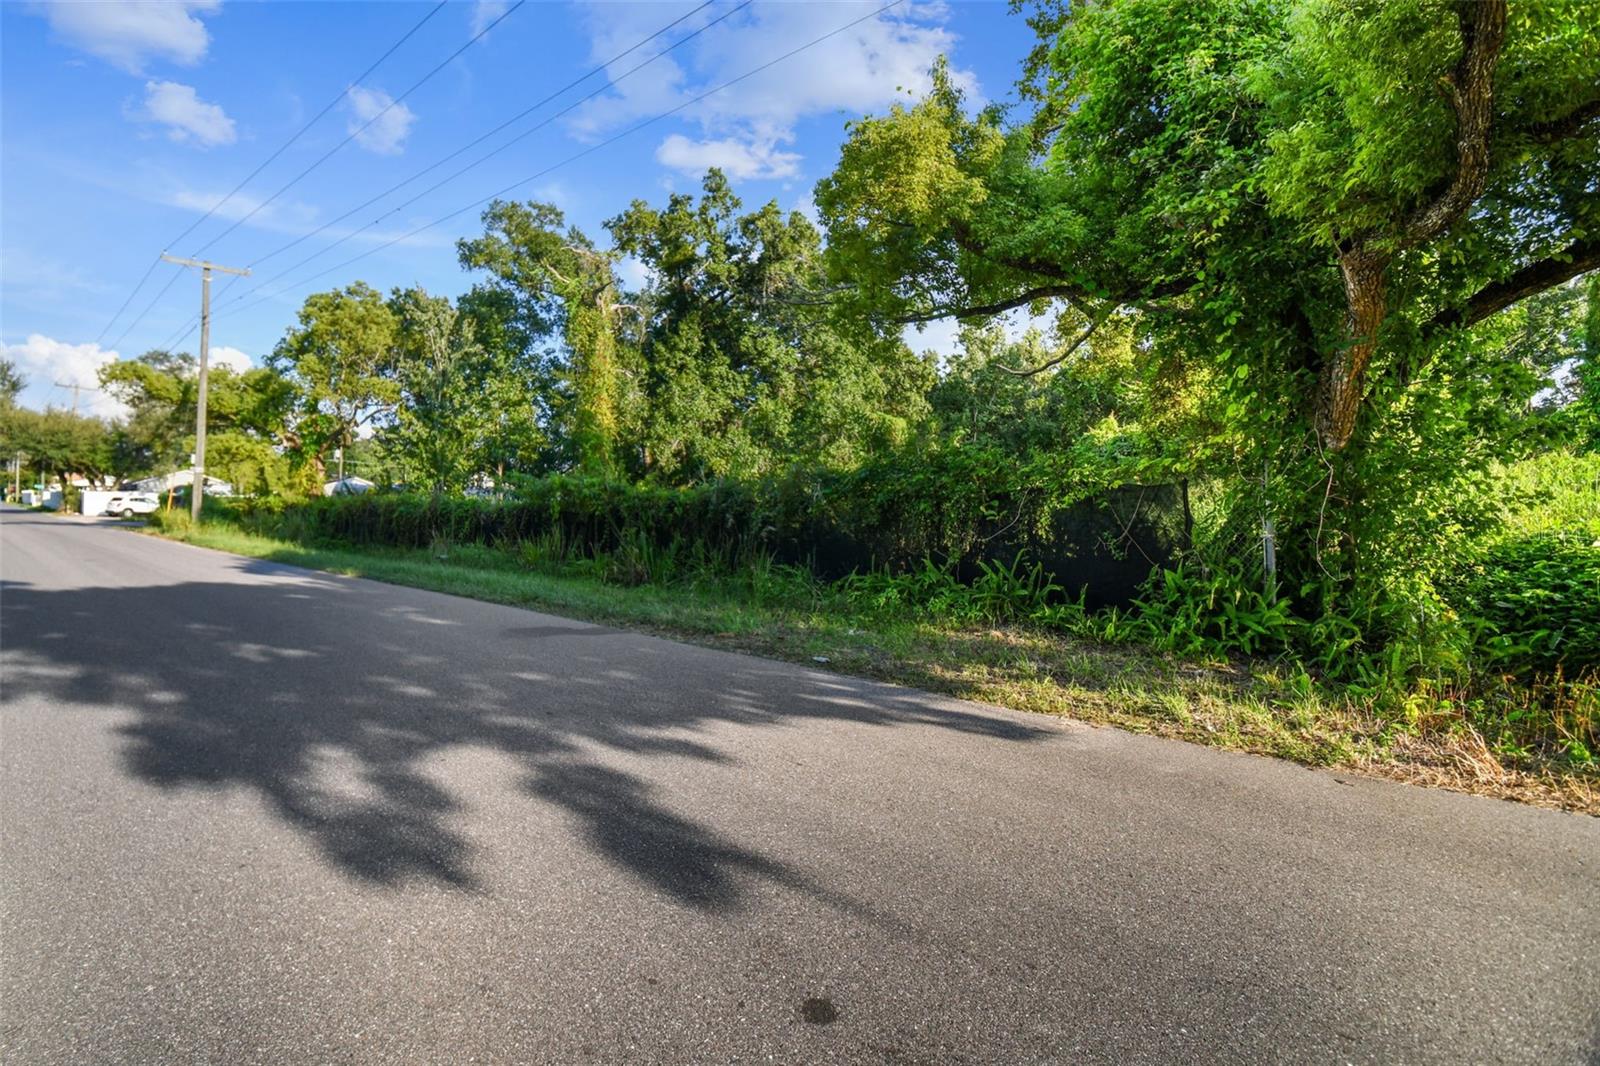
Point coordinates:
[[174, 522], [1535, 602], [961, 506]]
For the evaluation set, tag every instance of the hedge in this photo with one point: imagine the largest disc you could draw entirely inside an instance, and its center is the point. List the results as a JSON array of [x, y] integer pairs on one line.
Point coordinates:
[[955, 507]]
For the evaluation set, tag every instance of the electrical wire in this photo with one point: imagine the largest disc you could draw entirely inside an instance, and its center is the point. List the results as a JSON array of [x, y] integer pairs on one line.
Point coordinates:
[[419, 83], [184, 331], [331, 104], [476, 162], [600, 68]]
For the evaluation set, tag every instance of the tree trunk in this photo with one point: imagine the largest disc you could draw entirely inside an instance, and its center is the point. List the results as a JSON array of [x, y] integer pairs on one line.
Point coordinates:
[[1366, 304]]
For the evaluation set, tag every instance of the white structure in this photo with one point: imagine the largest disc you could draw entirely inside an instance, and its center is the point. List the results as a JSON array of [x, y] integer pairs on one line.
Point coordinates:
[[349, 486], [50, 498], [93, 501], [182, 479]]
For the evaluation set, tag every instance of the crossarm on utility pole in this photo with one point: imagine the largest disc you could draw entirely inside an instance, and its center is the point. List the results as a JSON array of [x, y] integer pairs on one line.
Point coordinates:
[[218, 267]]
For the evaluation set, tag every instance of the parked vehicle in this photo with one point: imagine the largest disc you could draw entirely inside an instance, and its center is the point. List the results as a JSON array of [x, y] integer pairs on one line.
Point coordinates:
[[128, 504]]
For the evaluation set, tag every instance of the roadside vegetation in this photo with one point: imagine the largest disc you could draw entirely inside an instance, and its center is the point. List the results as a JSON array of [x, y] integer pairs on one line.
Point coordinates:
[[1273, 420], [1171, 664]]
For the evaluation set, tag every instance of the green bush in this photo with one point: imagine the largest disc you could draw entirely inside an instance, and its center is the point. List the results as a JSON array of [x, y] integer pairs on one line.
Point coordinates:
[[1220, 613], [1535, 603], [174, 522], [950, 506]]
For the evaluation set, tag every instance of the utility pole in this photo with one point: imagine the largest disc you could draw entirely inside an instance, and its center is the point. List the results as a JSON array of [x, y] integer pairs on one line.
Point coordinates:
[[198, 488], [74, 386]]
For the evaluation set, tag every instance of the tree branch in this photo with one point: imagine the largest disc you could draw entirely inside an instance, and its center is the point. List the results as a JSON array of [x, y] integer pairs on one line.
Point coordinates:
[[1058, 360], [1568, 125], [1471, 87], [1579, 257], [1043, 292]]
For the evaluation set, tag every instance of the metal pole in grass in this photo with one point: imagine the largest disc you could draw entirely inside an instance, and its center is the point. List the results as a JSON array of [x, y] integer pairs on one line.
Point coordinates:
[[1269, 545]]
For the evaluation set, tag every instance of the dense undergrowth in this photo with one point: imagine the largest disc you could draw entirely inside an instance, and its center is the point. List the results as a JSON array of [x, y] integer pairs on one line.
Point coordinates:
[[1503, 696]]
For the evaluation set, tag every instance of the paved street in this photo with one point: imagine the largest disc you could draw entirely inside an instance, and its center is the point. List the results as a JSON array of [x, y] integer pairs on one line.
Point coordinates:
[[258, 814]]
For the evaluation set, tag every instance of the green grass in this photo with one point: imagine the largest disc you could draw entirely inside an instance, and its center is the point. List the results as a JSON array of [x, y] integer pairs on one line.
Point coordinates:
[[1259, 707]]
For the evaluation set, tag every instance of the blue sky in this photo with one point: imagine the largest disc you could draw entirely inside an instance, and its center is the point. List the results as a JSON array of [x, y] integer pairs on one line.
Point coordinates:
[[124, 122]]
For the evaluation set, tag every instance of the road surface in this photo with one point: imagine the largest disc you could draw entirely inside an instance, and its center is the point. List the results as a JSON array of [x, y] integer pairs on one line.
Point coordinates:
[[258, 814]]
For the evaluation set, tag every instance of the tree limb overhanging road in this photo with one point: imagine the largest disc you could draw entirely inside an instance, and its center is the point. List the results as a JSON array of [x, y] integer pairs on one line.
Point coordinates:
[[258, 814]]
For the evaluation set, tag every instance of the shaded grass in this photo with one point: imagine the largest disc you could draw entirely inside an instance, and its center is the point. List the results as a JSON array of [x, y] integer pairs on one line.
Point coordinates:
[[1257, 707]]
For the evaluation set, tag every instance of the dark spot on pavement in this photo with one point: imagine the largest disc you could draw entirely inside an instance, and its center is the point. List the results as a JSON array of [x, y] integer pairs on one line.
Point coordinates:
[[819, 1011]]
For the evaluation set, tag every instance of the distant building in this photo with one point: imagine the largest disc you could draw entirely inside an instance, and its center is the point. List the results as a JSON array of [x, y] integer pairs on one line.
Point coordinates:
[[348, 486]]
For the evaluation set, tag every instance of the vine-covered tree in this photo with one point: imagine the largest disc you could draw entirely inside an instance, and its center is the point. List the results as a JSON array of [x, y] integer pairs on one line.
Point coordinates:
[[1312, 201], [548, 268]]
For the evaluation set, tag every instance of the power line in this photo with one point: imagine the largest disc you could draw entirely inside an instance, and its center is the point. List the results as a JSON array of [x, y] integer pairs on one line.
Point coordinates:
[[600, 68], [147, 307], [572, 158], [142, 279], [593, 148], [363, 128], [477, 162], [331, 104], [187, 329]]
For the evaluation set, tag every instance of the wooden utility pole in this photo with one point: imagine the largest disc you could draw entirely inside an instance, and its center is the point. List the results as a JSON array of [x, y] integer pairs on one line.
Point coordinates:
[[74, 386], [198, 488]]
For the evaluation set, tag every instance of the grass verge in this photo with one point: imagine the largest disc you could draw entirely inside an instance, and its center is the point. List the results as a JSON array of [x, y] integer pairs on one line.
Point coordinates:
[[1257, 707]]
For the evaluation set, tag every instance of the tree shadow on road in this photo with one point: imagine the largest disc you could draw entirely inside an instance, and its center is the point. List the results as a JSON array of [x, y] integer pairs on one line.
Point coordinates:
[[330, 698]]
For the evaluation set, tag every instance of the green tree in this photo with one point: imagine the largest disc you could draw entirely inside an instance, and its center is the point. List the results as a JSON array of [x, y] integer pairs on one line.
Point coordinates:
[[740, 373], [55, 443], [11, 383], [551, 271], [160, 389], [250, 464], [443, 417], [1309, 201], [335, 358], [518, 379], [1583, 410]]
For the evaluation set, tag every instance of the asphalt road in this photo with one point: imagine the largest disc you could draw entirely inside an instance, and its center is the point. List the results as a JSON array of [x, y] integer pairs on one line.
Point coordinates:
[[257, 814]]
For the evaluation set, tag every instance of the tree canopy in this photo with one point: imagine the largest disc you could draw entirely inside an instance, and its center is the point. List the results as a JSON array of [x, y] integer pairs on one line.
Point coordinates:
[[1308, 204]]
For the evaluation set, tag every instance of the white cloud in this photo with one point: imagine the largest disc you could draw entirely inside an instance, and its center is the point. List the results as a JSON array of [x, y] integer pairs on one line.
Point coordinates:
[[635, 275], [738, 158], [486, 11], [232, 358], [391, 122], [286, 216], [884, 58], [278, 215], [186, 116], [130, 33], [47, 363]]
